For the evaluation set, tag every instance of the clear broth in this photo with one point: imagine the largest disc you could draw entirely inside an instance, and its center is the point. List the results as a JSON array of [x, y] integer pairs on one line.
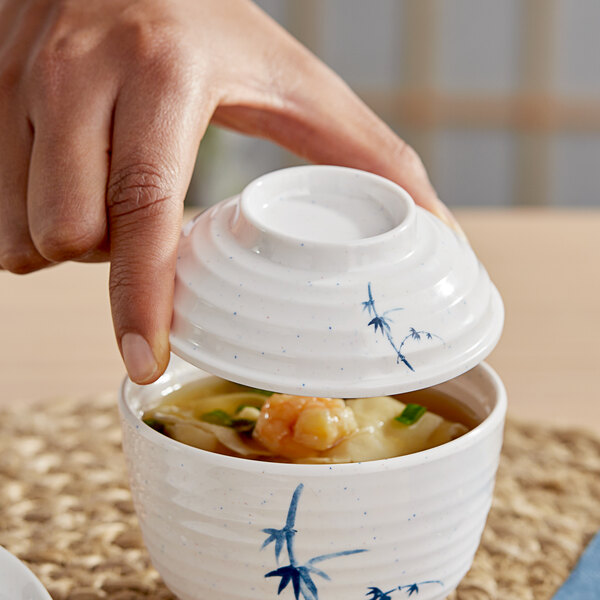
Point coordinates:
[[434, 400], [442, 404]]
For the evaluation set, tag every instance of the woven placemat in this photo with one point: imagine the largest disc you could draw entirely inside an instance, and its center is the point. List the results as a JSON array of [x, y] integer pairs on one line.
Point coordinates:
[[65, 507]]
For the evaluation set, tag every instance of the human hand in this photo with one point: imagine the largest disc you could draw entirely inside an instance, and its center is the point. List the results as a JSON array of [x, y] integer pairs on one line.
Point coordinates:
[[103, 104]]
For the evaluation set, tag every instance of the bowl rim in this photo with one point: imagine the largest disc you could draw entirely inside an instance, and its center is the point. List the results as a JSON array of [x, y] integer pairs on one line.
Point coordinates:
[[470, 439]]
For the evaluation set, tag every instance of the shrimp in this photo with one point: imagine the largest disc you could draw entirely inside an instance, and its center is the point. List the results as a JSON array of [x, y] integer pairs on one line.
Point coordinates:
[[299, 426]]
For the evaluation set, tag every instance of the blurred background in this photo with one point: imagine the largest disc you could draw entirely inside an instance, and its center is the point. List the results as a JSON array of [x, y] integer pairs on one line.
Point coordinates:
[[500, 99]]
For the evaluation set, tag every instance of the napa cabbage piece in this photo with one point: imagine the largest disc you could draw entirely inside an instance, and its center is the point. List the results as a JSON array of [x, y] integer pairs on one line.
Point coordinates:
[[181, 415], [207, 436]]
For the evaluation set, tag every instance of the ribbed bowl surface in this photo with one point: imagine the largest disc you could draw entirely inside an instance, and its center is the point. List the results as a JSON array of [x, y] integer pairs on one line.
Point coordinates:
[[233, 529]]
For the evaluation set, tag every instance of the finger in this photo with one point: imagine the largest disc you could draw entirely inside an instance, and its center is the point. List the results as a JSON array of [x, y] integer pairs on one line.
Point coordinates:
[[157, 128], [316, 115], [17, 251], [18, 254], [68, 175]]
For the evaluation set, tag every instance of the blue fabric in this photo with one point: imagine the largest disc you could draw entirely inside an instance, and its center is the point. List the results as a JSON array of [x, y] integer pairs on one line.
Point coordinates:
[[584, 581]]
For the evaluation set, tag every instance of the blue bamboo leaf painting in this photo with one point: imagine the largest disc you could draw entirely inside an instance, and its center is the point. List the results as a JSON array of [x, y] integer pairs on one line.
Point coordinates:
[[374, 593], [413, 588], [381, 322], [299, 575]]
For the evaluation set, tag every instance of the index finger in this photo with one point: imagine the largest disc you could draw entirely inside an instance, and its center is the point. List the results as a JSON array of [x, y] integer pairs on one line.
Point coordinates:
[[316, 115]]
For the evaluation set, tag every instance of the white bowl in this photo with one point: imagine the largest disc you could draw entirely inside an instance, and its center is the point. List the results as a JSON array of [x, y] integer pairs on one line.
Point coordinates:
[[214, 524], [17, 582], [329, 281]]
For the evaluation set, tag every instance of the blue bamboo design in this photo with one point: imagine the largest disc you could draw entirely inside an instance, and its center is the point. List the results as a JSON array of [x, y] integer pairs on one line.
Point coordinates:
[[413, 588], [298, 575], [382, 323], [374, 593]]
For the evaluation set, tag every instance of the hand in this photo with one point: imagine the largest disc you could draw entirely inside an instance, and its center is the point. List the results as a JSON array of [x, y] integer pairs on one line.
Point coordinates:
[[103, 104]]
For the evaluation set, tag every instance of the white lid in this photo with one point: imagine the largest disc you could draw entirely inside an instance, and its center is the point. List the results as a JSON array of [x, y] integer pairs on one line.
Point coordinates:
[[329, 281]]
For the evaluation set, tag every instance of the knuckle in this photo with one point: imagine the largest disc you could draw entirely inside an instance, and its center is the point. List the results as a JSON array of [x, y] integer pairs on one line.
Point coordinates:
[[140, 188], [48, 72], [22, 262], [407, 155], [149, 39], [158, 47], [10, 78], [69, 241], [54, 63]]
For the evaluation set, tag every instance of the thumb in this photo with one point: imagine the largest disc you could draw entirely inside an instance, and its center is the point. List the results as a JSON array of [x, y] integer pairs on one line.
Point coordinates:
[[153, 149]]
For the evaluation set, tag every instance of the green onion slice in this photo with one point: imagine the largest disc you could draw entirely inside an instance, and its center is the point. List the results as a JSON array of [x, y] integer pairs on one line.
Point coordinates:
[[259, 391], [155, 424], [411, 414], [243, 425], [217, 417]]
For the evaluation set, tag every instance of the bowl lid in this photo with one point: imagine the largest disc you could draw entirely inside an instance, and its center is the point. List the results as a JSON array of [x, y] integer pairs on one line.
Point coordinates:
[[328, 281]]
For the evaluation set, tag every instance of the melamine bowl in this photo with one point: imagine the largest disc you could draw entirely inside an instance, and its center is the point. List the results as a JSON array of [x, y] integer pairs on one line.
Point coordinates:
[[236, 529]]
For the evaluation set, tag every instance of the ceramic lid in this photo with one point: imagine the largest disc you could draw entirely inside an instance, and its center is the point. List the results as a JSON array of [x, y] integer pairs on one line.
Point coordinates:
[[329, 281]]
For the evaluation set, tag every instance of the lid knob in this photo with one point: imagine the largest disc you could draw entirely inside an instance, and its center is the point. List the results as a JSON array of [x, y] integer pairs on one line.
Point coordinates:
[[308, 219]]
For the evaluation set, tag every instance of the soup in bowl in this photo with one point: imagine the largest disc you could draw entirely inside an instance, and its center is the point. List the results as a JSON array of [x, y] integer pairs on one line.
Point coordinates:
[[318, 523]]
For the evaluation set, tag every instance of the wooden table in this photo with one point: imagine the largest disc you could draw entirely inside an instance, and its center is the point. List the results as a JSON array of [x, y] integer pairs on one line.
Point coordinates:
[[57, 335]]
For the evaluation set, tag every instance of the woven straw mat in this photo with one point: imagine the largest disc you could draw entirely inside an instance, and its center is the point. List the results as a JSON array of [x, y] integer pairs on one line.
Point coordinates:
[[65, 507]]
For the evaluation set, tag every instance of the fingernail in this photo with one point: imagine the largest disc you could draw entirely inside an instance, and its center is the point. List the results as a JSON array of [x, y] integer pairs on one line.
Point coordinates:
[[138, 357], [441, 211]]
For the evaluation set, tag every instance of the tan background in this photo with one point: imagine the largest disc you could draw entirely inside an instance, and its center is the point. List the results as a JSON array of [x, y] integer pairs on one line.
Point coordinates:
[[500, 99], [57, 335]]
